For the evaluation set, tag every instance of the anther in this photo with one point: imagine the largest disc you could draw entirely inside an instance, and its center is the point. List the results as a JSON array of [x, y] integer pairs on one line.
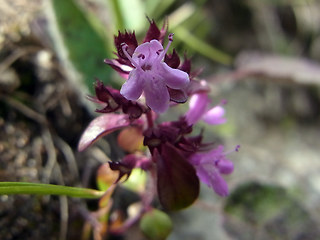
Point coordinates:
[[237, 148], [170, 37]]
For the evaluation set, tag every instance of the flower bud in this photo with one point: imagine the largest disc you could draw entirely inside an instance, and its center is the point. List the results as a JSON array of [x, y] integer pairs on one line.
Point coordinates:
[[156, 225]]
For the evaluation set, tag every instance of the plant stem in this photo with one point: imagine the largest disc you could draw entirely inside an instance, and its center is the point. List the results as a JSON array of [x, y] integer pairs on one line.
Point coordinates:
[[149, 119]]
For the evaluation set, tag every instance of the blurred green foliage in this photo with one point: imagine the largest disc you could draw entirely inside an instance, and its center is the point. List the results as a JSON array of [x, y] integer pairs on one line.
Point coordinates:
[[283, 27], [88, 41], [85, 46], [270, 208]]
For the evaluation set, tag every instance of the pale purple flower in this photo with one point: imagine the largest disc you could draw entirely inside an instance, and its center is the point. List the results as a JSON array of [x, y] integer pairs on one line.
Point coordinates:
[[198, 110], [209, 167], [152, 76]]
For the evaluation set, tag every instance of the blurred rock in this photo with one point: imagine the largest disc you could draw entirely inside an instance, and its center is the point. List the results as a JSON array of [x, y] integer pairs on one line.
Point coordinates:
[[9, 80], [257, 211]]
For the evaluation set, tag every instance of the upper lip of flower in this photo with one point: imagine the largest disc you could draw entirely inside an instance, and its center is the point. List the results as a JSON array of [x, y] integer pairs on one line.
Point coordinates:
[[147, 54]]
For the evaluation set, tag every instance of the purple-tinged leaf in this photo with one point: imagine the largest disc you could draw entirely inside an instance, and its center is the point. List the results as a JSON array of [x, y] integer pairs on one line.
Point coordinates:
[[127, 38], [178, 184], [153, 32], [186, 65], [121, 68], [102, 126], [172, 60], [177, 95]]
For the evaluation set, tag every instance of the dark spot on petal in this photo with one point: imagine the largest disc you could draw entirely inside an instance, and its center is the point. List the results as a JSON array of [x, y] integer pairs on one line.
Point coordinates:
[[146, 67], [159, 51], [141, 56]]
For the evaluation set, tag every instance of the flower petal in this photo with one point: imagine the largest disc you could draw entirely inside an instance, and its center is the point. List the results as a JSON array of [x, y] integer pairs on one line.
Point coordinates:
[[219, 185], [174, 78], [213, 179], [204, 174], [157, 95], [215, 116], [225, 166], [197, 107], [133, 87]]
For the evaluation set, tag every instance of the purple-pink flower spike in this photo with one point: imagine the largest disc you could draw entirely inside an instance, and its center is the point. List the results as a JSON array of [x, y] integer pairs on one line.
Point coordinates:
[[152, 75], [176, 159]]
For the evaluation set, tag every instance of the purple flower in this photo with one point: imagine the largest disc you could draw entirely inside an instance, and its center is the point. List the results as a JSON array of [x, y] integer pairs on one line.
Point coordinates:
[[198, 109], [152, 76], [209, 167]]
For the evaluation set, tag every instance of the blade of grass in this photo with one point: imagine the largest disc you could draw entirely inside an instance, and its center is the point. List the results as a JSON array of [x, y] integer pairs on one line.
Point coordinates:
[[133, 13], [9, 188], [117, 14], [161, 9], [202, 47]]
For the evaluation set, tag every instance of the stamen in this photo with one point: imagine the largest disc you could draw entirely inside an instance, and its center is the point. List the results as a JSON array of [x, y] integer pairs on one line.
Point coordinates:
[[236, 149], [170, 38], [124, 49]]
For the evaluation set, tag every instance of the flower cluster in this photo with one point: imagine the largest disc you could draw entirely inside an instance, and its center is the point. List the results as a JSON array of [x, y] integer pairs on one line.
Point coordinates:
[[155, 81]]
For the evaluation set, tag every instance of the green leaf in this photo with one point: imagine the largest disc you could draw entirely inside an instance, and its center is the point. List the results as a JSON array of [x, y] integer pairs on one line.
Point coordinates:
[[9, 188], [86, 48]]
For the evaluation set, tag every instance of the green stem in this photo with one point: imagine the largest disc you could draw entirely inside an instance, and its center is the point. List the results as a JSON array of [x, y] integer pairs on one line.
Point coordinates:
[[9, 188]]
